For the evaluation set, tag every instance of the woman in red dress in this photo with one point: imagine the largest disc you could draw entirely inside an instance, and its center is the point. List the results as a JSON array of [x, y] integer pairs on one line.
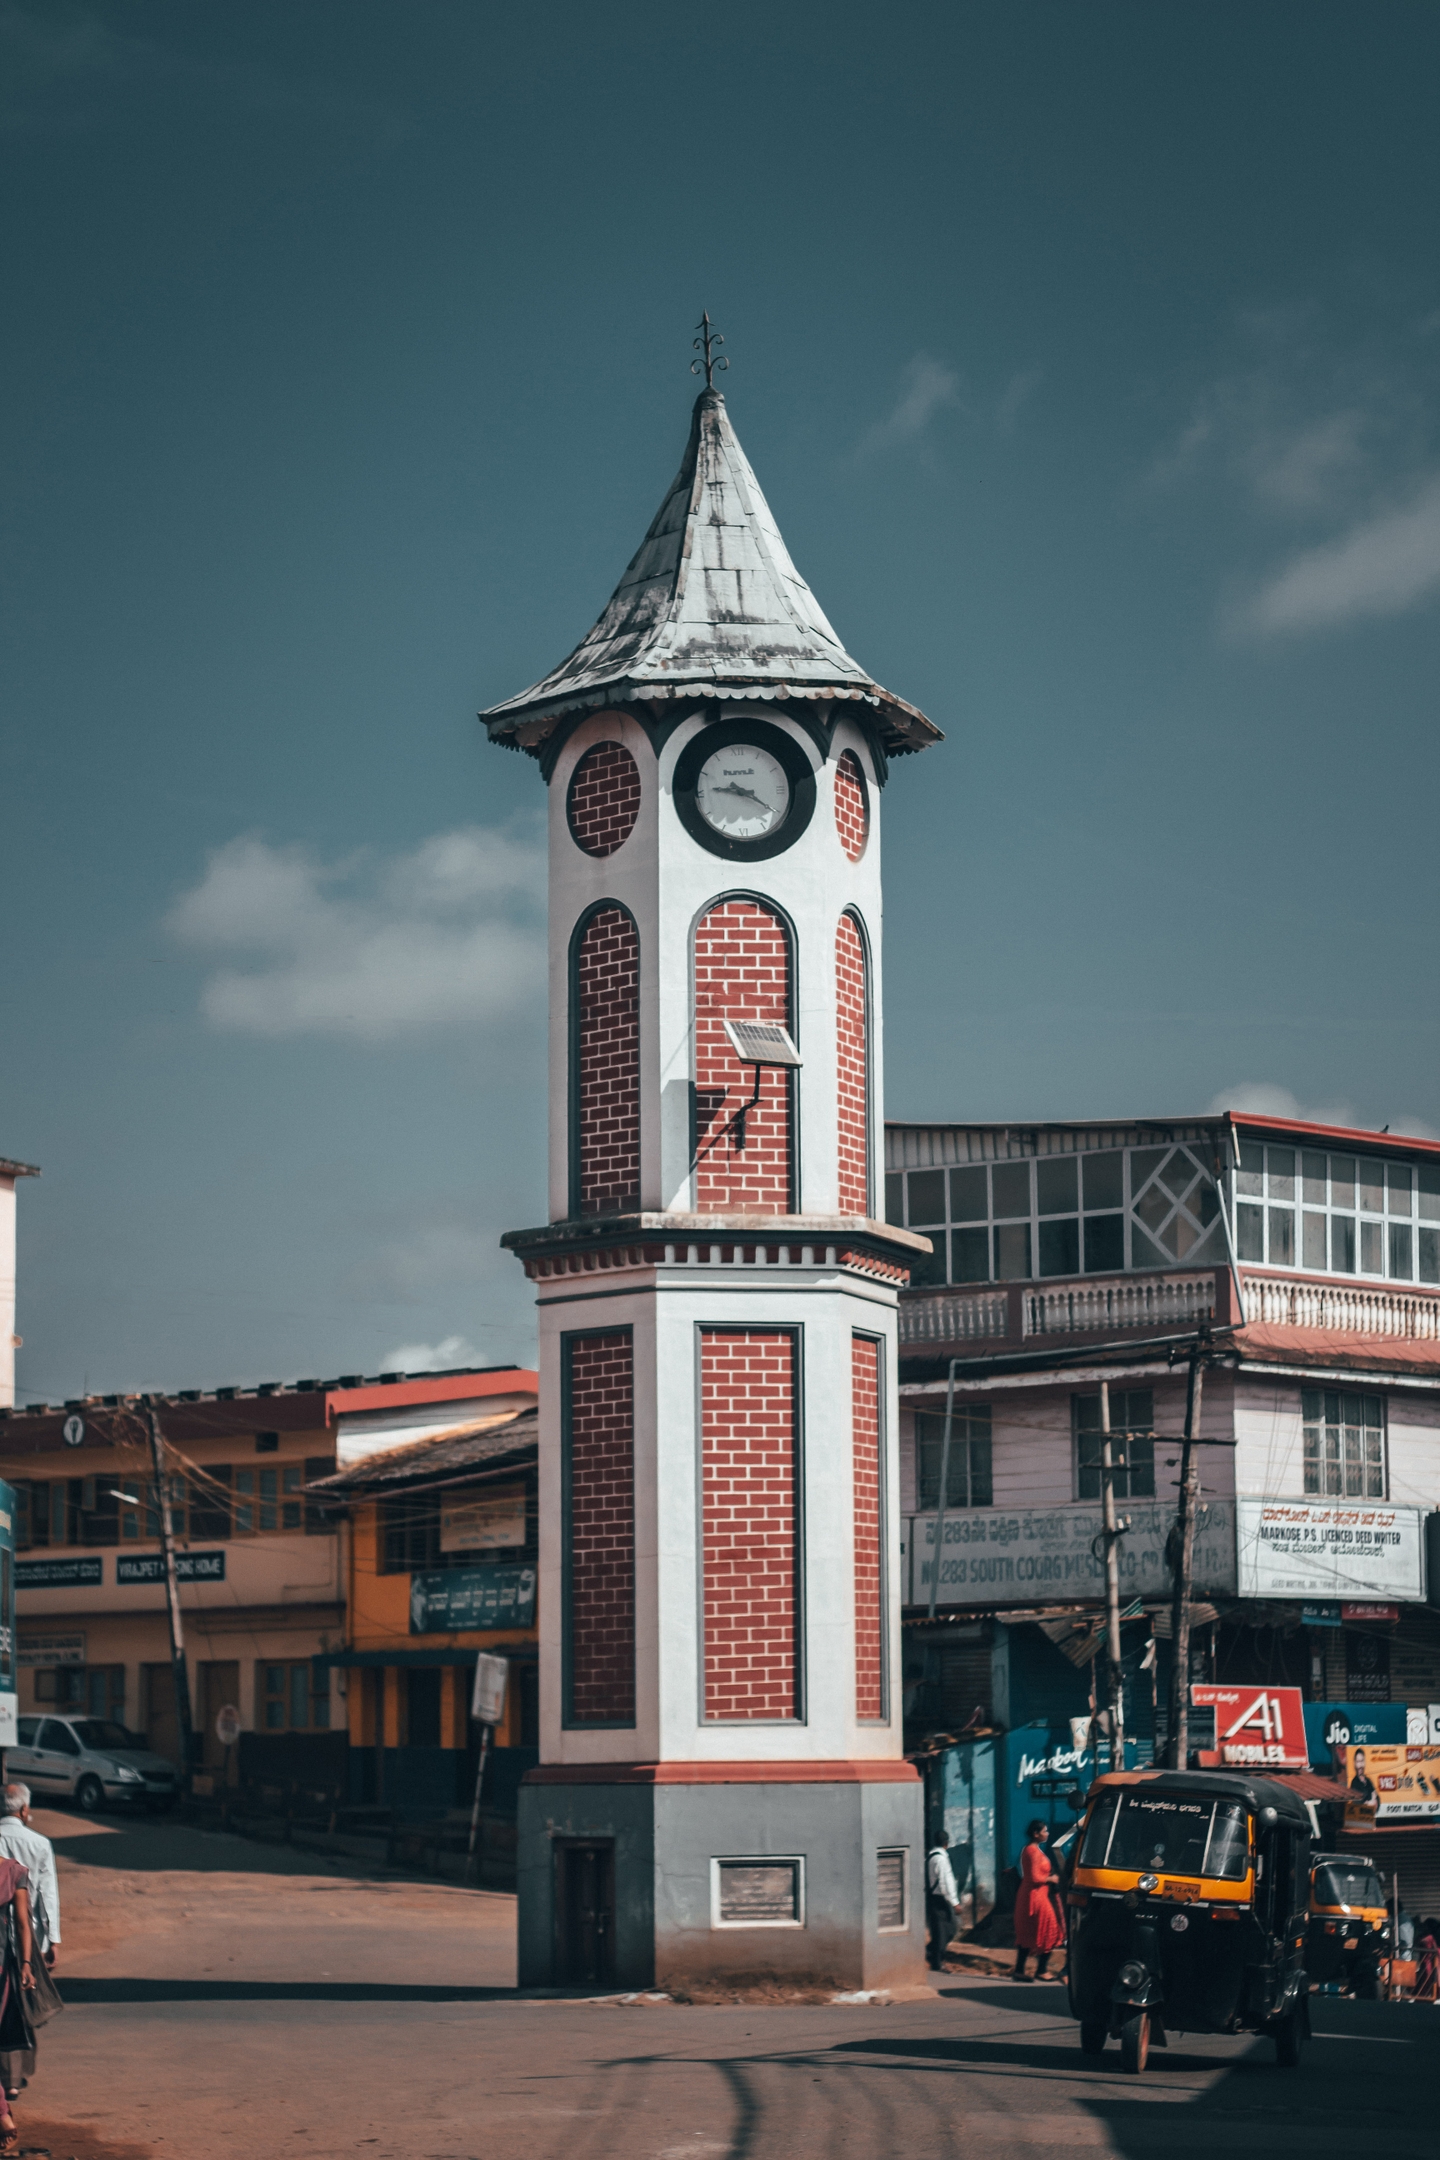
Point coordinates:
[[16, 1978], [1039, 1924]]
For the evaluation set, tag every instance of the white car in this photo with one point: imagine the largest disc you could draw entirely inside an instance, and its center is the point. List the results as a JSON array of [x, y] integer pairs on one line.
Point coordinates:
[[93, 1761]]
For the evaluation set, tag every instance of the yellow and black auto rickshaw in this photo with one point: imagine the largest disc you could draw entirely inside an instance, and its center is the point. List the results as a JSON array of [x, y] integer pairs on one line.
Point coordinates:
[[1187, 1911], [1349, 1927]]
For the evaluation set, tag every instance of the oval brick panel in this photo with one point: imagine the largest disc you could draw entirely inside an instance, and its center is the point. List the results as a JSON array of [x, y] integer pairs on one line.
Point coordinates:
[[852, 805], [604, 798]]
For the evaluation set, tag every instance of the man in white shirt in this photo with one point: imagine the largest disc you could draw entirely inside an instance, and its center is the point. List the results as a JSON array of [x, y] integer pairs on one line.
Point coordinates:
[[19, 1840], [942, 1900]]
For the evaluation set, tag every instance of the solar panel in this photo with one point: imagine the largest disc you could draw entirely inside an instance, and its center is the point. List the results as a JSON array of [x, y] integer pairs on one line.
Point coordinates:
[[761, 1042]]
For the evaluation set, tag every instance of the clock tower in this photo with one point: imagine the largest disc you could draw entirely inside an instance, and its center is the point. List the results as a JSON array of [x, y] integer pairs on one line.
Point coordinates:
[[721, 1788]]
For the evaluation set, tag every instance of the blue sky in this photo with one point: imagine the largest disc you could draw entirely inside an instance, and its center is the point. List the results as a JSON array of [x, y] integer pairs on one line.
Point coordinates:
[[1088, 357]]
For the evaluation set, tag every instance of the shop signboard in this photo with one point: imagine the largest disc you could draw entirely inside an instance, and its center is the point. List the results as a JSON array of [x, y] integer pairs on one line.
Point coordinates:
[[1331, 1727], [1256, 1728], [58, 1574], [1386, 1786], [189, 1567], [52, 1649], [1028, 1556], [451, 1601], [1049, 1768], [482, 1521], [1326, 1549]]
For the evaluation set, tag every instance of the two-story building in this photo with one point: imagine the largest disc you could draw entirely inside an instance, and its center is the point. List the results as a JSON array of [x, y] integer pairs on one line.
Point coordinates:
[[1064, 1254], [261, 1563]]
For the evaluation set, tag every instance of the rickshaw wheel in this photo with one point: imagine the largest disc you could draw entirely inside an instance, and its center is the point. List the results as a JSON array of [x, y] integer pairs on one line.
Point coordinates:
[[1290, 2039], [1093, 2034], [1135, 2042]]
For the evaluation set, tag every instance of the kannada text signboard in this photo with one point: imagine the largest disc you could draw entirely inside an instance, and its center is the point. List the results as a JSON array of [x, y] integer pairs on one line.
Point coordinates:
[[1028, 1556], [1256, 1728], [450, 1601], [1388, 1785], [483, 1521], [1329, 1549], [58, 1574]]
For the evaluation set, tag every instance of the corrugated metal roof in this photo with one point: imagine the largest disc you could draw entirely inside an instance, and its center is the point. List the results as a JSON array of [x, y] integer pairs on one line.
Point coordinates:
[[710, 606]]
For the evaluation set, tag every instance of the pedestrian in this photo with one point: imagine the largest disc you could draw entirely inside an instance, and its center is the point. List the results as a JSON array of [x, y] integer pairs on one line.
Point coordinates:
[[1039, 1923], [942, 1900], [17, 1977], [1427, 1973], [20, 1840]]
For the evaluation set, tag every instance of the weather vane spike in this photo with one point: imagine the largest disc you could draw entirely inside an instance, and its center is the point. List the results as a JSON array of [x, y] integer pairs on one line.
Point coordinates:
[[705, 344]]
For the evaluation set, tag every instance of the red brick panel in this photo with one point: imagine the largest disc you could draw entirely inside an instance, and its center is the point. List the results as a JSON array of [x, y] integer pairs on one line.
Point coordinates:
[[852, 1069], [852, 807], [604, 798], [742, 972], [750, 1513], [865, 1441], [607, 1077], [600, 1530]]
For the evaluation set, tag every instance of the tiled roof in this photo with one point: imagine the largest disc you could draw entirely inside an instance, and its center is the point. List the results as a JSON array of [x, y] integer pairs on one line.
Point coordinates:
[[710, 606], [439, 1456]]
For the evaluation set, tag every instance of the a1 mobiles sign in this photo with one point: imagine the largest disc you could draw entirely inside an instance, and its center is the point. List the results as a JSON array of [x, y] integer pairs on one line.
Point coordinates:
[[1256, 1728]]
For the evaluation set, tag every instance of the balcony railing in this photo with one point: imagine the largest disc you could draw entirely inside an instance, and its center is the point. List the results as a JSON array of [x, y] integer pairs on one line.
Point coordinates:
[[1277, 1303], [962, 1318], [1159, 1301]]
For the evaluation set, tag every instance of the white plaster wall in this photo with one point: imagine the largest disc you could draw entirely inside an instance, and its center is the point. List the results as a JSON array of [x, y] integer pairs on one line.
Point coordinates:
[[1270, 1427], [667, 880], [665, 1306]]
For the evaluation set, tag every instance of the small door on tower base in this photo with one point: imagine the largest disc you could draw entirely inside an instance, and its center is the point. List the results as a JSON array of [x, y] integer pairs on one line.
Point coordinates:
[[584, 1912]]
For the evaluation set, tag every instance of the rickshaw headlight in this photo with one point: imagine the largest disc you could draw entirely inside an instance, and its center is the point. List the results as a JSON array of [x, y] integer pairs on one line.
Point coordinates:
[[1132, 1974]]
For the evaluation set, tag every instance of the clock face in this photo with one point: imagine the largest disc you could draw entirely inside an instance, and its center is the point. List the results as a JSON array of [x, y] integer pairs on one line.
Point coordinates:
[[742, 792]]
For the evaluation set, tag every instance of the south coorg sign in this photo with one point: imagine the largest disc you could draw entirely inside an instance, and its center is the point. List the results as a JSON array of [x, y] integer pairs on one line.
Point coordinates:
[[1025, 1556]]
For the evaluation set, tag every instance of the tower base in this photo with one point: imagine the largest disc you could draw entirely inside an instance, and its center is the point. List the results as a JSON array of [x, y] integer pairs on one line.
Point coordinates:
[[683, 1875]]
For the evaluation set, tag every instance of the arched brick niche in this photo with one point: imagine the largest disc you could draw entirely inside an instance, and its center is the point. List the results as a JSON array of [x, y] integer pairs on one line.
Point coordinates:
[[743, 967], [852, 1065], [604, 798], [605, 1062], [852, 805]]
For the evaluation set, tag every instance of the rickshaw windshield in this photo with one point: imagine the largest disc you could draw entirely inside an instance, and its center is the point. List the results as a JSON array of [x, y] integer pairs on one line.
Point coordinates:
[[1337, 1884], [1164, 1834]]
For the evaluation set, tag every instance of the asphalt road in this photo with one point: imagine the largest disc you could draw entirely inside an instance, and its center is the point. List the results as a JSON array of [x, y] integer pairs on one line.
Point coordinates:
[[226, 1998]]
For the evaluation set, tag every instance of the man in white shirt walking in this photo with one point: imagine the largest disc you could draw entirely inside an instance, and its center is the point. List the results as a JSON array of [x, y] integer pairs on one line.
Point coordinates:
[[20, 1840], [942, 1900]]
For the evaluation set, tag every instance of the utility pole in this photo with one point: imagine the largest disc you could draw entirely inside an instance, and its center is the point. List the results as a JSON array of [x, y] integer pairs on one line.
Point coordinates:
[[1183, 1562], [172, 1600], [1114, 1672]]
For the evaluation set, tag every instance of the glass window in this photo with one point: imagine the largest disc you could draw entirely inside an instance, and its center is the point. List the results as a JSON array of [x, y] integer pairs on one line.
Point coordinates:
[[1281, 1164], [1372, 1248], [970, 1255], [1012, 1251], [291, 1698], [1429, 1269], [1060, 1247], [1250, 1177], [1057, 1185], [275, 1702], [1344, 1443], [1282, 1236], [969, 1200], [1399, 1191], [1229, 1853], [1010, 1187], [1430, 1192], [1372, 1187], [927, 1197], [299, 1696], [1401, 1261], [968, 1483], [1104, 1244], [1104, 1180], [1342, 1244], [1158, 1836], [291, 1506], [1132, 1444], [1250, 1231], [894, 1196], [1313, 1240], [1342, 1181], [1144, 1162], [1312, 1178], [930, 1268]]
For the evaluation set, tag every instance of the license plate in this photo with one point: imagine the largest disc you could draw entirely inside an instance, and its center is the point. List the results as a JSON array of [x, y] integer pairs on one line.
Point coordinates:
[[1352, 1942]]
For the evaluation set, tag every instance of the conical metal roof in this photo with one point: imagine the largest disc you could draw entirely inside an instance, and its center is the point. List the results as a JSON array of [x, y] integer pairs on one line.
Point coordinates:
[[710, 606]]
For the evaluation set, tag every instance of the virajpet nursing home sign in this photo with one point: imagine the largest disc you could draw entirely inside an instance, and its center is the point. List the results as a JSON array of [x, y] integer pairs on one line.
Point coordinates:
[[1330, 1549], [1023, 1556]]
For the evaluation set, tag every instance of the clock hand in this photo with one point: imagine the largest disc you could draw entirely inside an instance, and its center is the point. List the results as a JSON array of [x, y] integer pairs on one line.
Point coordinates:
[[731, 789]]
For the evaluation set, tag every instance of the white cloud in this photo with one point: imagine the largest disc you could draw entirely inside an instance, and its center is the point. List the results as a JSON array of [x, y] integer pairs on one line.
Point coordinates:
[[1382, 566], [1017, 392], [927, 389], [442, 938], [1263, 1098], [442, 1356]]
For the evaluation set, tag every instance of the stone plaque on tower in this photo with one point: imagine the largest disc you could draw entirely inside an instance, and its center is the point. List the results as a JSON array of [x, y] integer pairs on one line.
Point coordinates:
[[721, 1788]]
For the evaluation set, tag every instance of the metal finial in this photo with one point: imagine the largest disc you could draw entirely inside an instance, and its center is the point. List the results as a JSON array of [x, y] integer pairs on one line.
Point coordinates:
[[706, 343]]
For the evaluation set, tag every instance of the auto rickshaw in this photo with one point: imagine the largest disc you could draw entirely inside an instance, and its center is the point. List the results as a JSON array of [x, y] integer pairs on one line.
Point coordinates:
[[1349, 1926], [1187, 1911]]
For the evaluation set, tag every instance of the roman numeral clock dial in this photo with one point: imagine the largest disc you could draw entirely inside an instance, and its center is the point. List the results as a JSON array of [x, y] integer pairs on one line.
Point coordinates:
[[742, 792]]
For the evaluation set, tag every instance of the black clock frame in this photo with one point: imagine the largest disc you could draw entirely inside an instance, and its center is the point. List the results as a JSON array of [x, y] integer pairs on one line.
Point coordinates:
[[787, 753]]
